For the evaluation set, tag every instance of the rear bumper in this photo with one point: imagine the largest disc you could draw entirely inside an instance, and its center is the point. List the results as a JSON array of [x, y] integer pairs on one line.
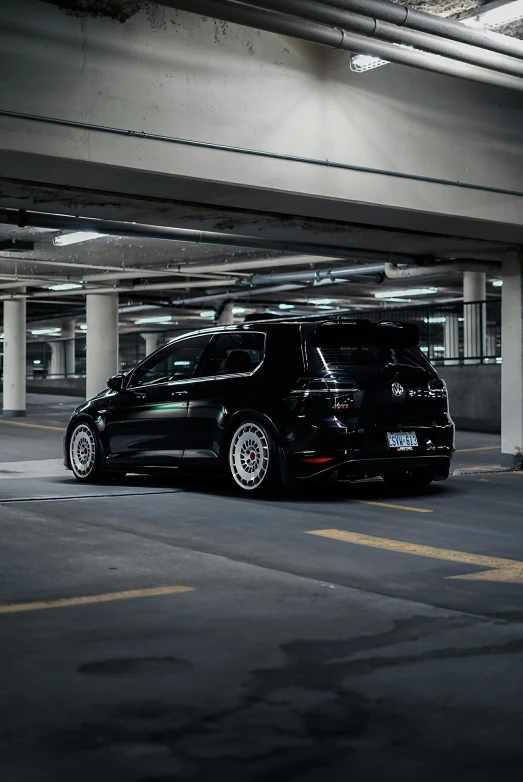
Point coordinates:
[[438, 465]]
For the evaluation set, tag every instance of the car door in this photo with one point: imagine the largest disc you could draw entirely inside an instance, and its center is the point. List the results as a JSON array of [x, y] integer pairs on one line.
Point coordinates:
[[146, 422], [220, 389]]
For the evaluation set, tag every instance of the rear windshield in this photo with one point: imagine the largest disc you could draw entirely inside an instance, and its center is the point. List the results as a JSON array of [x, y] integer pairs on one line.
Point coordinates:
[[338, 348]]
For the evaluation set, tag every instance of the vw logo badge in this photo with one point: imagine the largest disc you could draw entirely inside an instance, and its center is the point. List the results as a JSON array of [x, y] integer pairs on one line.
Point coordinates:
[[397, 389]]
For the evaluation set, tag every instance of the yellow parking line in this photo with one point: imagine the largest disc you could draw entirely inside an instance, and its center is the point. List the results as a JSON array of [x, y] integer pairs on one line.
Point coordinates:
[[395, 507], [15, 608], [34, 426], [484, 448], [508, 570]]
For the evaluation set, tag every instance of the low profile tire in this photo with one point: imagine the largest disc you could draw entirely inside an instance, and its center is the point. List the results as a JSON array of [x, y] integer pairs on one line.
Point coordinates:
[[408, 479], [85, 454], [253, 459]]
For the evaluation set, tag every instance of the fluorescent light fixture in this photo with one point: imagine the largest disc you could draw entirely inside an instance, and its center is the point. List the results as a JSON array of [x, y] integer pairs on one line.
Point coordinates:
[[154, 319], [38, 332], [359, 63], [424, 349], [435, 320], [208, 314], [284, 306], [64, 286], [37, 361], [321, 302], [497, 284], [181, 363], [439, 349], [499, 360], [496, 16], [238, 310], [411, 292], [62, 240], [83, 326]]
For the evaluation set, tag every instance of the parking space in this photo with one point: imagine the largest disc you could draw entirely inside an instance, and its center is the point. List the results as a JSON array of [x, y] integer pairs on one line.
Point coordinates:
[[169, 629]]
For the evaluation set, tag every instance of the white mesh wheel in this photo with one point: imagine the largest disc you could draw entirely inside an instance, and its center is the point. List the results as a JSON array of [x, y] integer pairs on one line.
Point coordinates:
[[249, 456], [82, 451]]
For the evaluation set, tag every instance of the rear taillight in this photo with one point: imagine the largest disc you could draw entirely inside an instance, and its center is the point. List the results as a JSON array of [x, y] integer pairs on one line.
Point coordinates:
[[438, 387]]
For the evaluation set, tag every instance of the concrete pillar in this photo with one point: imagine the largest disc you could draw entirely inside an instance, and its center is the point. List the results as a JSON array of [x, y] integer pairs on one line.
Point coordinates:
[[102, 340], [451, 340], [68, 333], [474, 289], [226, 317], [512, 365], [56, 364], [151, 341], [14, 358]]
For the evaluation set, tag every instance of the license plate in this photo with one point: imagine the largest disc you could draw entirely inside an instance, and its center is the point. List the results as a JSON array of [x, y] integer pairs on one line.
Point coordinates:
[[402, 441]]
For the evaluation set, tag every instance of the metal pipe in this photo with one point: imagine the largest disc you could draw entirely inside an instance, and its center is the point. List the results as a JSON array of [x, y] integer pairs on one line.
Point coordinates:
[[337, 38], [404, 16], [385, 31], [316, 274], [23, 218], [394, 272]]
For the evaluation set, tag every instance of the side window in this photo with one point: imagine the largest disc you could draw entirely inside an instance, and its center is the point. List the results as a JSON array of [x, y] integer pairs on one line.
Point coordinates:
[[177, 361], [234, 353]]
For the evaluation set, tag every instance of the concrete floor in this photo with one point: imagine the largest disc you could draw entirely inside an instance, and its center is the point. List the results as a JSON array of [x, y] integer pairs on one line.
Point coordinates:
[[295, 657]]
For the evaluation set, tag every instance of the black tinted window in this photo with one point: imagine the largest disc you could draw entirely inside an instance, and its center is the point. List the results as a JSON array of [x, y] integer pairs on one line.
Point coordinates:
[[336, 348], [177, 361], [233, 353]]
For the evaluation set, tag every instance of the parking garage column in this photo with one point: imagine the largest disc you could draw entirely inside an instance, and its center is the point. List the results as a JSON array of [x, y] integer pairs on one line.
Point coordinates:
[[451, 340], [225, 318], [151, 339], [512, 361], [474, 290], [102, 340], [68, 334], [14, 358]]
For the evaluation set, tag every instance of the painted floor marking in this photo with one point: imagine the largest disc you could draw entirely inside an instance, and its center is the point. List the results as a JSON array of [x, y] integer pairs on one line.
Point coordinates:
[[39, 605], [504, 570], [395, 507], [483, 448], [32, 426]]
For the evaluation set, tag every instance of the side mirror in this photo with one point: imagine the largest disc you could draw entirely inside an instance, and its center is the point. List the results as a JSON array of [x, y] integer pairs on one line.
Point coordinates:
[[115, 383]]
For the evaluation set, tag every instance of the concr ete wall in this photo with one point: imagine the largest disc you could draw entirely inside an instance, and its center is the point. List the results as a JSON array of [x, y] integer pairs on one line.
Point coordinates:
[[475, 396]]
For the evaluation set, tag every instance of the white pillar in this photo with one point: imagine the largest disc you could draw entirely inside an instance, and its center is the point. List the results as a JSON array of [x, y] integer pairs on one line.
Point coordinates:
[[151, 341], [451, 340], [56, 363], [474, 289], [512, 366], [14, 358], [68, 333], [226, 317], [102, 340]]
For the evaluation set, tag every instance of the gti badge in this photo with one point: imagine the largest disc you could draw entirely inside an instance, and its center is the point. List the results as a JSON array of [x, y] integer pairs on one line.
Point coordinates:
[[397, 389]]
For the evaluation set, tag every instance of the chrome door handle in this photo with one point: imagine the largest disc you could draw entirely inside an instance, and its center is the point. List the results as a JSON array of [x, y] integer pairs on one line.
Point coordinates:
[[179, 393]]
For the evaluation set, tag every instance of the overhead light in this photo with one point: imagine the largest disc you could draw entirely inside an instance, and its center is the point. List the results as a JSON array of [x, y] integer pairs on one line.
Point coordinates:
[[321, 302], [78, 236], [64, 286], [208, 314], [496, 16], [435, 320], [411, 292], [37, 361], [155, 319], [238, 310], [38, 332], [497, 283], [424, 349], [359, 63], [284, 306], [438, 349], [136, 307], [83, 326]]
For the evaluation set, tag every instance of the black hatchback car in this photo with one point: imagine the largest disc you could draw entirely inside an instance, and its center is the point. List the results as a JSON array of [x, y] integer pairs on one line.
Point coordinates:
[[276, 401]]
